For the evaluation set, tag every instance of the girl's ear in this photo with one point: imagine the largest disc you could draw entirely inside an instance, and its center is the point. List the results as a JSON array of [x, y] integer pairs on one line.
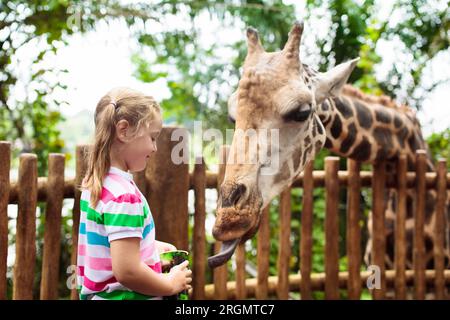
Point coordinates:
[[122, 130]]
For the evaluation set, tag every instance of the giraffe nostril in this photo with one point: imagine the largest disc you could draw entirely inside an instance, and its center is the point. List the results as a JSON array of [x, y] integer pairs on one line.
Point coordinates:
[[234, 196]]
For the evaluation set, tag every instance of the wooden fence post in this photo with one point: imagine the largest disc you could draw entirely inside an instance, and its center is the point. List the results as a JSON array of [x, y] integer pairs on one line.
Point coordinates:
[[263, 253], [167, 176], [378, 230], [400, 232], [199, 238], [332, 228], [26, 229], [440, 229], [284, 248], [81, 153], [140, 181], [220, 273], [52, 234], [241, 292], [419, 222], [5, 166], [306, 241], [353, 230]]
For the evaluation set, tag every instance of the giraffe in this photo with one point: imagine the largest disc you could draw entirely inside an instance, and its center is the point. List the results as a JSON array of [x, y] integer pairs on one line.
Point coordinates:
[[369, 129], [357, 126], [273, 95]]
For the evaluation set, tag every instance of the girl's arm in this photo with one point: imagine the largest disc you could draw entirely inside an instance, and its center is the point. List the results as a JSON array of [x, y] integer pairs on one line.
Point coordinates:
[[131, 272]]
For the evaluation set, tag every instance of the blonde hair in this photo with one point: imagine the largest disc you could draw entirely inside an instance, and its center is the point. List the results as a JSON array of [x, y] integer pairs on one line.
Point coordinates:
[[118, 104]]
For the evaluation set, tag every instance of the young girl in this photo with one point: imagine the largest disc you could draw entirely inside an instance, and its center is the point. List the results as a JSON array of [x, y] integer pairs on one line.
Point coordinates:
[[118, 256]]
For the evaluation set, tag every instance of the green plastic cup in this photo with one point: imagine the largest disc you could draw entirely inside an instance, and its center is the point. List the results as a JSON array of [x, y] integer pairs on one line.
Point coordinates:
[[170, 259]]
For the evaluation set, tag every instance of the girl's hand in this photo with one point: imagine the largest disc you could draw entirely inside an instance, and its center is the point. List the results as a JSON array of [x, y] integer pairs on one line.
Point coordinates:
[[180, 277], [164, 246]]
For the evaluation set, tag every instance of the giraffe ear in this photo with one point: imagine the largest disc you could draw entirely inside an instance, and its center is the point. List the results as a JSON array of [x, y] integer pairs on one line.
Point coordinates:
[[330, 83], [232, 107]]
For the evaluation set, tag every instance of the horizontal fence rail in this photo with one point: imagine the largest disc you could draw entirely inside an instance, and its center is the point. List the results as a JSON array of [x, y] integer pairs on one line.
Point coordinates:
[[211, 182]]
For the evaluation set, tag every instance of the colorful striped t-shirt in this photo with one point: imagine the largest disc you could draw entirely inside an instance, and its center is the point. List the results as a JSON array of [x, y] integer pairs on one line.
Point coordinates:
[[122, 212]]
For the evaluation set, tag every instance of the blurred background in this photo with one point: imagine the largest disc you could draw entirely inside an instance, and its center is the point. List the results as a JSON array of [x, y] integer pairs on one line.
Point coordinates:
[[59, 57]]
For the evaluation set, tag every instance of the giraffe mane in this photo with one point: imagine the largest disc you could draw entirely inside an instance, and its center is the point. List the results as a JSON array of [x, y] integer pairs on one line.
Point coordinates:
[[383, 100]]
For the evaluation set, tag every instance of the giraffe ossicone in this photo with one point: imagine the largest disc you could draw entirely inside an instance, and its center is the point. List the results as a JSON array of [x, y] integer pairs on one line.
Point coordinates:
[[274, 93]]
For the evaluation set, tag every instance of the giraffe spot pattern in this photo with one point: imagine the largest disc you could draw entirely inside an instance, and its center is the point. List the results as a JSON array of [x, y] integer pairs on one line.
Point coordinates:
[[349, 139], [397, 121], [283, 175], [383, 137], [361, 151], [344, 107], [296, 158], [336, 127], [383, 116], [364, 117], [306, 153], [401, 136]]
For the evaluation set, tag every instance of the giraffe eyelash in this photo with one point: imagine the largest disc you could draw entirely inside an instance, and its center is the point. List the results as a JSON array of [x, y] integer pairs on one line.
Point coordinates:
[[299, 113]]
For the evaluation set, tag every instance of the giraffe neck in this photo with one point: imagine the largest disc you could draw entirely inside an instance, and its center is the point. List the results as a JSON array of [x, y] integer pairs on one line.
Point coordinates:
[[369, 132]]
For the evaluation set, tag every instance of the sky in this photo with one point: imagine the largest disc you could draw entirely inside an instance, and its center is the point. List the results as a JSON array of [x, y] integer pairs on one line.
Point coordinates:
[[100, 60]]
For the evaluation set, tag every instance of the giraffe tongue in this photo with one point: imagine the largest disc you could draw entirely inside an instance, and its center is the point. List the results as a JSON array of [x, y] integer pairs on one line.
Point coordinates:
[[226, 251]]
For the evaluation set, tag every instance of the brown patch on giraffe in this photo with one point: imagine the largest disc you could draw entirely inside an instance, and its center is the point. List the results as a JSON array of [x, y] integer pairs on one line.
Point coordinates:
[[413, 142], [401, 135], [362, 151], [336, 127], [297, 156], [328, 143], [349, 140], [363, 115], [324, 120], [283, 175], [397, 121], [306, 153], [344, 107], [384, 138], [383, 116], [307, 140]]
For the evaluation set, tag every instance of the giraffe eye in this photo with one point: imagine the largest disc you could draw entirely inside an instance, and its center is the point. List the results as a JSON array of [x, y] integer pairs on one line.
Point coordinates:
[[298, 114]]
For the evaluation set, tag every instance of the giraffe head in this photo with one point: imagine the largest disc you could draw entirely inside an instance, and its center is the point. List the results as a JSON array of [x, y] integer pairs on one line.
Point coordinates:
[[277, 132]]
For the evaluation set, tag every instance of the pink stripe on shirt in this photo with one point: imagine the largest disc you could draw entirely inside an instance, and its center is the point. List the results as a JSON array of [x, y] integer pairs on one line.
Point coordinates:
[[81, 250], [156, 267], [104, 264], [97, 286], [126, 197]]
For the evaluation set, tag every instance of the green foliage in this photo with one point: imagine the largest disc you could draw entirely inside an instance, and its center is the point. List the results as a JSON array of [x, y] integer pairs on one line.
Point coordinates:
[[439, 145], [30, 123], [198, 78]]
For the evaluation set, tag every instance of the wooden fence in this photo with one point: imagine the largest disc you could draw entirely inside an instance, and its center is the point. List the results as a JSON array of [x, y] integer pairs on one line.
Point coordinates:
[[166, 186]]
